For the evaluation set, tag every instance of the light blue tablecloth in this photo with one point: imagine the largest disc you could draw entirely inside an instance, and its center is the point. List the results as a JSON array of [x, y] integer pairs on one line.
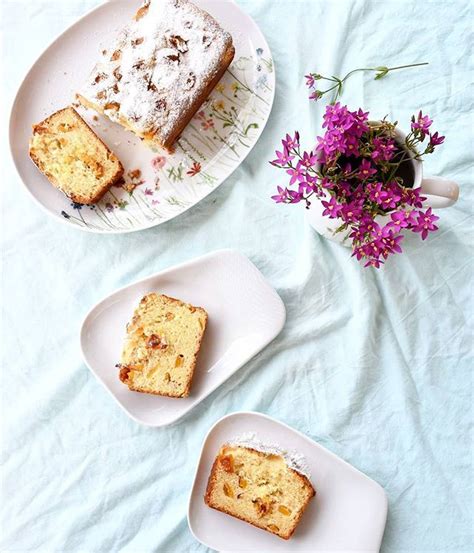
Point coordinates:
[[376, 366]]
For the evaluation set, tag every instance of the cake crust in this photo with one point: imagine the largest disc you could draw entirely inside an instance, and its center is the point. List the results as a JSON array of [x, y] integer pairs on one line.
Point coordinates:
[[213, 480]]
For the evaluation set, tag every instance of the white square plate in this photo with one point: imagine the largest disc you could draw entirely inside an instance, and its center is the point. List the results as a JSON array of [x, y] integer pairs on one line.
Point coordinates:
[[347, 514], [245, 314]]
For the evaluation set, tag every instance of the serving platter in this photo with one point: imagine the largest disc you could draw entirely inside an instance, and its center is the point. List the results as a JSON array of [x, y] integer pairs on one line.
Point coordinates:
[[157, 187], [244, 315], [347, 514]]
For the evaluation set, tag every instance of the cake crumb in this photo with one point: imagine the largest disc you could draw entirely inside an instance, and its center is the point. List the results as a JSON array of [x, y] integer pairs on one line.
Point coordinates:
[[134, 174]]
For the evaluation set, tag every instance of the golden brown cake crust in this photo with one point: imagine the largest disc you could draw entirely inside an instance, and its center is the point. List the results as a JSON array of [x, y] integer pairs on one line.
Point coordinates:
[[211, 483], [75, 197], [168, 145]]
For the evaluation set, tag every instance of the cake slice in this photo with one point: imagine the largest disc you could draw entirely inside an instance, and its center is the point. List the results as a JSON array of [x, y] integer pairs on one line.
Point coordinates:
[[159, 70], [73, 158], [162, 345], [259, 487]]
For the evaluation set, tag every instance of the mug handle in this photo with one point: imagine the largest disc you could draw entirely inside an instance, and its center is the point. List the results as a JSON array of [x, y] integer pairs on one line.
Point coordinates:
[[440, 192]]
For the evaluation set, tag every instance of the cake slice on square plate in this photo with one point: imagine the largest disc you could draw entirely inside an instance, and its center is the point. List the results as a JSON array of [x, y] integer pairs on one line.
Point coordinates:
[[162, 345], [260, 484]]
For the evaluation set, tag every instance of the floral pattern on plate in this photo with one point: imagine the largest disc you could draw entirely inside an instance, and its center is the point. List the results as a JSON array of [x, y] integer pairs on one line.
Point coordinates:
[[212, 145]]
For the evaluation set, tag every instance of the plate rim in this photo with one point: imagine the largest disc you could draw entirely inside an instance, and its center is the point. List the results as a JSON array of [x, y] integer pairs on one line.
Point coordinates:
[[13, 108], [257, 414], [212, 389]]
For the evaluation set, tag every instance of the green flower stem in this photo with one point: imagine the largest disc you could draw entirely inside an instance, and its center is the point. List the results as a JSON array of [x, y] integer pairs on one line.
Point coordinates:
[[247, 89], [228, 144], [381, 71], [199, 136]]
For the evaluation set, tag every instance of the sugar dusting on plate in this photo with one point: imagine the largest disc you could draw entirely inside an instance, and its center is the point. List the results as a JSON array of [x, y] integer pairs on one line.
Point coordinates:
[[293, 459]]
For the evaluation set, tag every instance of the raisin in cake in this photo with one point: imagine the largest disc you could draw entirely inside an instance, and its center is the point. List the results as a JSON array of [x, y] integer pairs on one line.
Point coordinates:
[[261, 485], [73, 157], [162, 344], [160, 69]]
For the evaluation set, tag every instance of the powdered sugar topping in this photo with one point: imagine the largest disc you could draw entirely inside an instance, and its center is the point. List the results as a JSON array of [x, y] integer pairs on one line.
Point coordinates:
[[158, 66], [293, 459]]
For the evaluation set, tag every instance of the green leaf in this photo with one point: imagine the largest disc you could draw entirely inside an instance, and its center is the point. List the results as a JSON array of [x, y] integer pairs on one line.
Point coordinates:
[[381, 74], [251, 126]]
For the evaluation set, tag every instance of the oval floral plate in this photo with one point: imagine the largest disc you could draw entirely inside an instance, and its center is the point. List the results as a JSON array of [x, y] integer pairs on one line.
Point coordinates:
[[157, 187]]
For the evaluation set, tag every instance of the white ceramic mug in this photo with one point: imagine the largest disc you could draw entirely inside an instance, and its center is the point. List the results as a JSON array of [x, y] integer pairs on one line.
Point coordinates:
[[439, 193]]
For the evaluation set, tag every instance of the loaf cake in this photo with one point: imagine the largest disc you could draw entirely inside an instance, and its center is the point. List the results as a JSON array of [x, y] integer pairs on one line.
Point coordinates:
[[73, 158], [160, 69], [260, 484], [162, 345]]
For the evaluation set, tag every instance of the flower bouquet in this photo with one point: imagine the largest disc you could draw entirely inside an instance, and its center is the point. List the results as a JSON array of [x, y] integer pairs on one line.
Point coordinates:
[[362, 174]]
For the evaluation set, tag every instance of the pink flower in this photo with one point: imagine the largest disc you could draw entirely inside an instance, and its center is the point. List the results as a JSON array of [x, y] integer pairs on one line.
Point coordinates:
[[435, 140], [366, 170], [369, 226], [401, 219], [309, 80], [296, 174], [332, 208], [207, 124], [344, 190], [372, 251], [375, 191], [148, 192], [380, 233], [351, 212], [388, 200], [383, 149], [154, 202], [337, 116], [282, 159], [315, 95], [294, 196], [326, 183], [290, 143], [281, 197], [310, 184], [308, 160], [158, 162], [425, 223], [413, 197], [373, 262], [352, 146], [359, 125], [422, 123], [332, 143], [392, 244]]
